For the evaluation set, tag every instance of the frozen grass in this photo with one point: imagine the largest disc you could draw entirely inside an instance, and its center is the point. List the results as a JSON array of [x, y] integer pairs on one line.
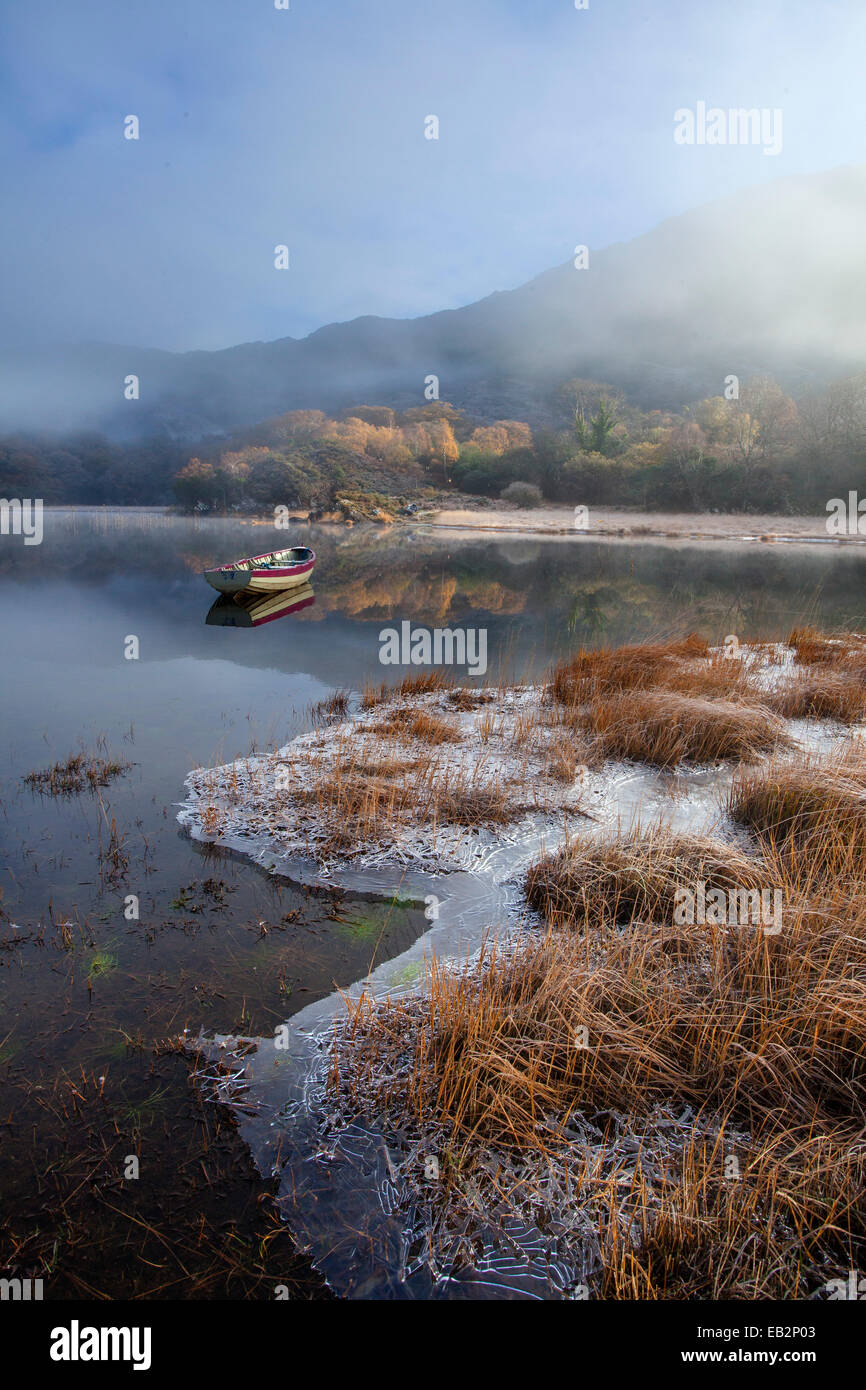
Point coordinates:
[[760, 1038], [419, 784], [587, 883], [822, 692], [811, 812], [433, 681], [734, 1056], [813, 648], [418, 724], [372, 805], [334, 708], [665, 703], [599, 671], [463, 698], [664, 728], [427, 754], [683, 1104]]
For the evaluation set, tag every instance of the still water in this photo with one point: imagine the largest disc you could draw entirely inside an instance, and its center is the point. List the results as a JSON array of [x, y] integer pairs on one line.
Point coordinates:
[[218, 945]]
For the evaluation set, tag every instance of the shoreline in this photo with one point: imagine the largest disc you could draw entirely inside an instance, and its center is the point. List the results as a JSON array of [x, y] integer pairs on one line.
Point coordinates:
[[605, 523], [608, 523]]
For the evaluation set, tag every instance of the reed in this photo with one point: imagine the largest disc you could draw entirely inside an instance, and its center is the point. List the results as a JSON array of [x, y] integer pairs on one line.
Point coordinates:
[[664, 728], [592, 672], [811, 812], [762, 1036], [77, 773]]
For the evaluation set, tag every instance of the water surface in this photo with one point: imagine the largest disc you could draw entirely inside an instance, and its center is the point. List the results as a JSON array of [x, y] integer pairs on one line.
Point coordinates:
[[218, 944]]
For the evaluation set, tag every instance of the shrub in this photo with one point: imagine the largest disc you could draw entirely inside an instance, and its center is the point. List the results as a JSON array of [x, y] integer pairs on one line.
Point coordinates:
[[522, 494]]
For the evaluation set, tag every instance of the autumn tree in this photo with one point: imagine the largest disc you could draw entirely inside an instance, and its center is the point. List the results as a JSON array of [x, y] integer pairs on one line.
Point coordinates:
[[380, 415], [200, 484], [499, 437]]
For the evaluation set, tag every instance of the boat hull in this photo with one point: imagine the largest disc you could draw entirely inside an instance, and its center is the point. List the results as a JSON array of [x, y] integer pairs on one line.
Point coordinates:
[[227, 581], [261, 581]]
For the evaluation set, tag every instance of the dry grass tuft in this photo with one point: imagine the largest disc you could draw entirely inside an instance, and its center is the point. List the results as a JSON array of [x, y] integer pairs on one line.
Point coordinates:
[[334, 708], [811, 812], [762, 1036], [716, 677], [376, 766], [465, 699], [593, 672], [360, 807], [563, 761], [616, 1019], [365, 800], [588, 883], [813, 648], [821, 694], [436, 680], [664, 728], [845, 651], [409, 723], [464, 804]]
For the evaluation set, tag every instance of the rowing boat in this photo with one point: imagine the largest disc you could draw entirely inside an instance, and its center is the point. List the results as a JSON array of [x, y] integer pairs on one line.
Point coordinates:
[[276, 569]]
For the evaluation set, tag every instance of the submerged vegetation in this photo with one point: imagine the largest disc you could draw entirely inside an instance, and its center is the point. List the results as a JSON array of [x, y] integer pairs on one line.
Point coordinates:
[[78, 773]]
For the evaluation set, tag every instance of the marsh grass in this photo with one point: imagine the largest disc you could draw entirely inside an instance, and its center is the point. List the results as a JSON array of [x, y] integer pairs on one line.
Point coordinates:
[[465, 699], [597, 671], [664, 703], [821, 693], [813, 648], [435, 680], [762, 1037], [368, 800], [418, 724], [811, 812], [711, 1044], [626, 880], [612, 1055], [78, 773], [332, 709], [664, 728]]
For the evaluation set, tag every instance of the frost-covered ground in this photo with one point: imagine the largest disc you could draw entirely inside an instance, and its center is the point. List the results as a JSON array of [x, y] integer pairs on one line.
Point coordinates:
[[430, 780], [376, 791], [367, 791]]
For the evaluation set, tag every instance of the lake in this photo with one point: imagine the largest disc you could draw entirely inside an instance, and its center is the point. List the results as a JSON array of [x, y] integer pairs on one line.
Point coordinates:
[[93, 997]]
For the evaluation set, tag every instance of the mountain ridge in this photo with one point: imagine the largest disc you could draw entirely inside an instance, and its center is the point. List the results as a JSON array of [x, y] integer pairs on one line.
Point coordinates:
[[768, 279]]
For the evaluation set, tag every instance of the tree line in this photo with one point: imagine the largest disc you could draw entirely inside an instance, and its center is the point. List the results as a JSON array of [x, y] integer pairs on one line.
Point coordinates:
[[753, 448]]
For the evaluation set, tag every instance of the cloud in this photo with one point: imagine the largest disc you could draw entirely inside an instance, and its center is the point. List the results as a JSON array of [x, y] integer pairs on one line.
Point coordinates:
[[305, 127]]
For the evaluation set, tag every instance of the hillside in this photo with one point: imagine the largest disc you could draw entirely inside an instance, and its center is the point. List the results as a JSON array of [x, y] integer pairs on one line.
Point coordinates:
[[767, 281]]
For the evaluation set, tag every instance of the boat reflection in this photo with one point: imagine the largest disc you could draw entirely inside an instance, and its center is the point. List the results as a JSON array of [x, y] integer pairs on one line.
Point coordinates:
[[253, 610]]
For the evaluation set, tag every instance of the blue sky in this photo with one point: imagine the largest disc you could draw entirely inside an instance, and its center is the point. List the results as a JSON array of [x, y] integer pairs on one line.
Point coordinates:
[[306, 127]]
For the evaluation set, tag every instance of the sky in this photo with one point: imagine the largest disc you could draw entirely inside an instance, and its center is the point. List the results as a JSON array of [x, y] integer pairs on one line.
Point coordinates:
[[306, 127]]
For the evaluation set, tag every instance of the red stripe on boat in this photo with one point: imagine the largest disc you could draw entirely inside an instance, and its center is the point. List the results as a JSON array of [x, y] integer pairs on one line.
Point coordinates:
[[290, 569]]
